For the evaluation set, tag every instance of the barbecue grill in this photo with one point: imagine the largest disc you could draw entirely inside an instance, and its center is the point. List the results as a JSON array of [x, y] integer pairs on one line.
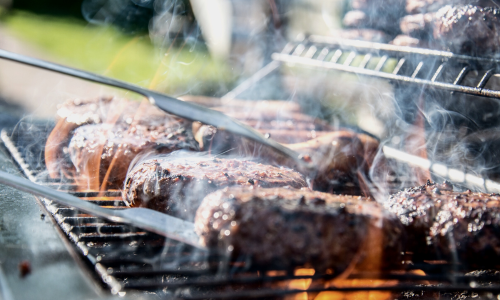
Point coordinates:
[[128, 260]]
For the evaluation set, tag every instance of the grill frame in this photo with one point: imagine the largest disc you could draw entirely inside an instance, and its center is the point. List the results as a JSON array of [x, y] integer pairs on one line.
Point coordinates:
[[192, 284], [98, 268]]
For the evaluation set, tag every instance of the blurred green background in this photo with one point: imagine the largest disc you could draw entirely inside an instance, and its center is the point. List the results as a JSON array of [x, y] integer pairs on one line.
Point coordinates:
[[121, 49]]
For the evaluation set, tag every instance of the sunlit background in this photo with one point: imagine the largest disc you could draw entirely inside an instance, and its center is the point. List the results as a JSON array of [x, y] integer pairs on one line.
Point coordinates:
[[179, 47]]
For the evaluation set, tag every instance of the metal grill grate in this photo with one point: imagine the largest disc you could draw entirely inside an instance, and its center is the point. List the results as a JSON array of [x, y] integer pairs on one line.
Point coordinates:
[[423, 67], [130, 259]]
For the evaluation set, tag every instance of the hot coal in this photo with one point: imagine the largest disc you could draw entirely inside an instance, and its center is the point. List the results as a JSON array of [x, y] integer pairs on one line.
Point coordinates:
[[287, 228], [176, 184], [461, 227]]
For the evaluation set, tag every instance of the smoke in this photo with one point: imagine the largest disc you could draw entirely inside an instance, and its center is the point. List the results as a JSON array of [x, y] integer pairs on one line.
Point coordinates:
[[131, 16]]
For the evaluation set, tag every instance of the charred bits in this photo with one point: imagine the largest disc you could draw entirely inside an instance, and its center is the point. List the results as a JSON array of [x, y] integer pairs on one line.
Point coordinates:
[[24, 268]]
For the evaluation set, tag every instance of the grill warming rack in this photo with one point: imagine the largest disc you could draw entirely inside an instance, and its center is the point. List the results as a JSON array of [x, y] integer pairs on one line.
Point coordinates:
[[441, 70], [127, 259]]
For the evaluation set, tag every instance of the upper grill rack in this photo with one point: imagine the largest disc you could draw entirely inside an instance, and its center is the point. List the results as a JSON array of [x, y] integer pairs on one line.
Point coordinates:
[[423, 67], [129, 259]]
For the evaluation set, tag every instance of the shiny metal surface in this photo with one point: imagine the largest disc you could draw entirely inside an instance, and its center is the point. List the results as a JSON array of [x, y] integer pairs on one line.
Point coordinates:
[[144, 218], [27, 234]]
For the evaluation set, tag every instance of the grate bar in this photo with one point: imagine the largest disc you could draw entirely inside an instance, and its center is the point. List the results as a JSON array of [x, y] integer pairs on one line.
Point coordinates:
[[365, 61], [336, 56], [350, 58], [322, 55], [438, 72], [393, 77], [381, 63], [417, 69], [402, 55], [485, 78]]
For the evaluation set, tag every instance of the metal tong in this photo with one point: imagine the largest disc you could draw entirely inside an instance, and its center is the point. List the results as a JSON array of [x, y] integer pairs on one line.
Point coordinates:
[[144, 218], [171, 105]]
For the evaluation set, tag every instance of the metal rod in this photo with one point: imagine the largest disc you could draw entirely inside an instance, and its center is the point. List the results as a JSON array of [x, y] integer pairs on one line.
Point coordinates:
[[256, 77], [389, 76], [380, 47], [485, 78], [453, 175]]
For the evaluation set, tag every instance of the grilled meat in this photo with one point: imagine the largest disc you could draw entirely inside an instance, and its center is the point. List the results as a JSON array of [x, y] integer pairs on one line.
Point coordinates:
[[106, 110], [73, 114], [424, 6], [418, 26], [378, 15], [408, 41], [361, 19], [176, 184], [285, 228], [356, 19], [449, 225], [363, 34], [261, 119], [102, 153], [468, 29], [343, 157]]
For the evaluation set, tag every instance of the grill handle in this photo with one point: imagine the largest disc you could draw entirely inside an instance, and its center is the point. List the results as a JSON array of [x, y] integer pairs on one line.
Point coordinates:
[[144, 218]]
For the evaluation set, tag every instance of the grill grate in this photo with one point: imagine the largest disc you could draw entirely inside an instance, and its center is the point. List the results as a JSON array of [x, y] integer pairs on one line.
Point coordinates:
[[423, 67], [129, 259]]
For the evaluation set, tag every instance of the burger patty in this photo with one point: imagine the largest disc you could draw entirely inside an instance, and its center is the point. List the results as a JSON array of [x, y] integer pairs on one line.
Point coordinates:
[[449, 225], [176, 184], [280, 227], [469, 29], [343, 157], [105, 110], [102, 153]]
